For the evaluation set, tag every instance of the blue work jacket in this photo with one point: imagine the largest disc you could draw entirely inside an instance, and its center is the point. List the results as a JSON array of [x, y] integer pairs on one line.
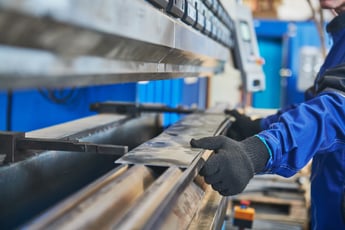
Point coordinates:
[[315, 129]]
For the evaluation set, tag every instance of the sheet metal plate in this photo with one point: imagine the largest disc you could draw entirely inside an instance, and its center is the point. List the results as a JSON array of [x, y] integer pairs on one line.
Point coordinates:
[[172, 148]]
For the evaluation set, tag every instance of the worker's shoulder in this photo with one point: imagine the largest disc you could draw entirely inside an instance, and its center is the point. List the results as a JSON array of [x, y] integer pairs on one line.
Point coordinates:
[[332, 93]]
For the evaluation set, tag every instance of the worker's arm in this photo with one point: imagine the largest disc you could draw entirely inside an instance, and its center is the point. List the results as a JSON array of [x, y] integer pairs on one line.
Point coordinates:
[[244, 127], [267, 121], [314, 127]]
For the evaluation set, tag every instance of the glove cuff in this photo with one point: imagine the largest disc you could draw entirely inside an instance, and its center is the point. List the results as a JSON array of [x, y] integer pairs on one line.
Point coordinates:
[[257, 125], [257, 152]]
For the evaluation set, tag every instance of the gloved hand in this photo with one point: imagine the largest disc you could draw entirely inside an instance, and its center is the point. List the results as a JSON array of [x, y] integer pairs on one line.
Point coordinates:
[[233, 164], [243, 126]]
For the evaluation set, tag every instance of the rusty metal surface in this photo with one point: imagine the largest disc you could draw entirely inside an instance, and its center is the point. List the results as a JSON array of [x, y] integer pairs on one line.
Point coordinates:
[[186, 207], [139, 216], [172, 148], [211, 211]]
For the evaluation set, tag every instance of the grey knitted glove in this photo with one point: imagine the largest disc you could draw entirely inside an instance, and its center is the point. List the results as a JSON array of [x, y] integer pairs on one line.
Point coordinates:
[[243, 126], [233, 164]]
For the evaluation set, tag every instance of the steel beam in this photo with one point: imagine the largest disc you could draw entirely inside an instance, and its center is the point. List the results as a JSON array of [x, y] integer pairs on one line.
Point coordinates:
[[78, 43]]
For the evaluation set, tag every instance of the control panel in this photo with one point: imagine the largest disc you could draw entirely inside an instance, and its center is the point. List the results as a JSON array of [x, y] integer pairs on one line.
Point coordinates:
[[207, 16], [246, 52]]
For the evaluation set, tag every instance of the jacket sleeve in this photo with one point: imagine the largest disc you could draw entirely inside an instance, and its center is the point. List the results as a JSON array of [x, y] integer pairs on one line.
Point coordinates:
[[314, 127], [267, 121]]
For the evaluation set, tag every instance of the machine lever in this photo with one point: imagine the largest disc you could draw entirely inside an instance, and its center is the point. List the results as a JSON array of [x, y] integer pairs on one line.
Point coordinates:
[[11, 142]]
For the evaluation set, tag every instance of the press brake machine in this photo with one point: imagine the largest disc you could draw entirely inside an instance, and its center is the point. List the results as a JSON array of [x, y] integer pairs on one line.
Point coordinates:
[[117, 170]]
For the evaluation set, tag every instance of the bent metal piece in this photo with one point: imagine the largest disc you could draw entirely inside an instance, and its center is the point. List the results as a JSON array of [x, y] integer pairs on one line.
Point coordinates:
[[172, 146], [166, 198]]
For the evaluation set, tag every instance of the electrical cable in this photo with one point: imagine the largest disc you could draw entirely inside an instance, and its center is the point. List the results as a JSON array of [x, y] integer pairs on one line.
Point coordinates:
[[319, 26]]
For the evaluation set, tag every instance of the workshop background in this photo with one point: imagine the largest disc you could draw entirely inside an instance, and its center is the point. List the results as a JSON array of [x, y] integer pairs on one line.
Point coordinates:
[[288, 42], [292, 50]]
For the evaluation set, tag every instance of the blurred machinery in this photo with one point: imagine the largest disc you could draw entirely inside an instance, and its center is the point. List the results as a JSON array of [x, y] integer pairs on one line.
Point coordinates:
[[64, 176], [294, 53], [244, 215]]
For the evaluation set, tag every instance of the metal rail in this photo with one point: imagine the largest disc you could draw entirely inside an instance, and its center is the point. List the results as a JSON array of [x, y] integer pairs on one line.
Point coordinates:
[[102, 203]]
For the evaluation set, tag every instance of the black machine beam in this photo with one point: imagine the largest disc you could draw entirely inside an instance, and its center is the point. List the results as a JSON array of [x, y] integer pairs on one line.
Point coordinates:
[[13, 142], [135, 109]]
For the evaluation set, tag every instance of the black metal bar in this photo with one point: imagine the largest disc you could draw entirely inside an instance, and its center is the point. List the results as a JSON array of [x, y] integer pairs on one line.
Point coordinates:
[[165, 109], [73, 146], [8, 144], [135, 109], [11, 142]]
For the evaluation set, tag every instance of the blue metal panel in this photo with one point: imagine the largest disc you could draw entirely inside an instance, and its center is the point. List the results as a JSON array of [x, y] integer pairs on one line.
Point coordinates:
[[293, 36], [190, 93], [176, 94], [3, 106], [301, 34], [203, 88], [270, 35], [141, 92], [167, 100], [31, 110], [195, 93], [270, 28], [271, 51], [148, 91], [173, 93]]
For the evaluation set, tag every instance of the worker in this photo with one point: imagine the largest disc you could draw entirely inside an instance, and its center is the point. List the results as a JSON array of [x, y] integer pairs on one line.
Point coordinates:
[[285, 142]]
